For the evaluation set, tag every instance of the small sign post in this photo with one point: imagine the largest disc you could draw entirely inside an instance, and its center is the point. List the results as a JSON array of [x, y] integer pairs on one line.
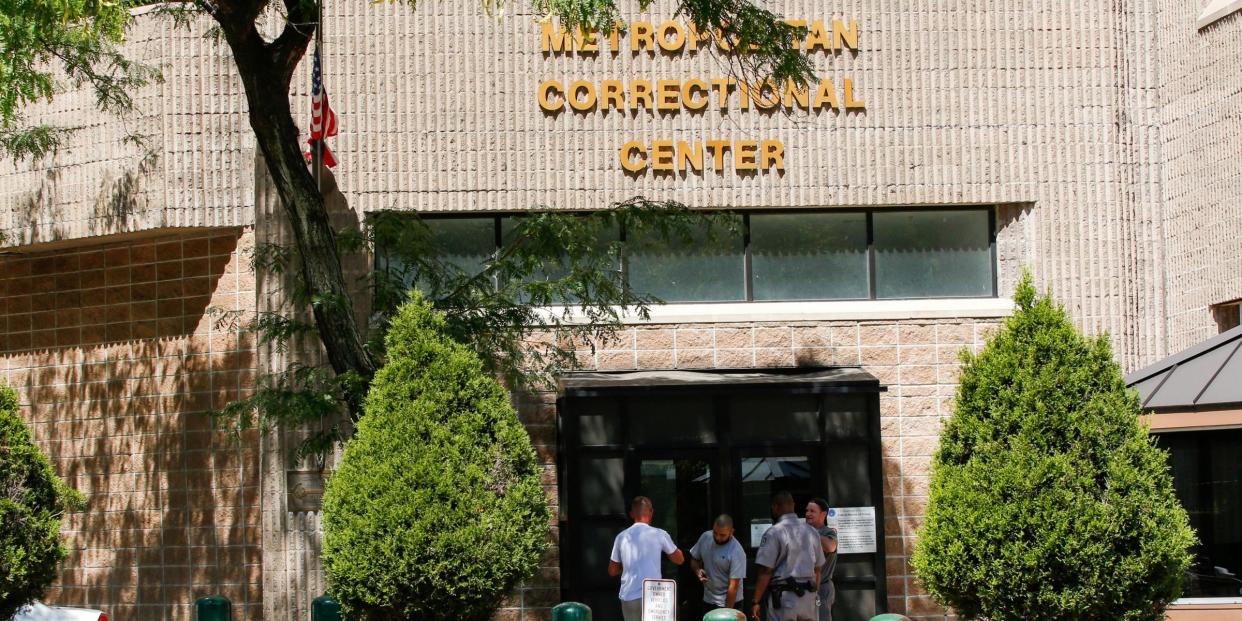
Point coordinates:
[[659, 600]]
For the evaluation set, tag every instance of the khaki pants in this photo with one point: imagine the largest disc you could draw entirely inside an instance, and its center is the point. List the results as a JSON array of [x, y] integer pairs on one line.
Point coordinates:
[[793, 608], [632, 610]]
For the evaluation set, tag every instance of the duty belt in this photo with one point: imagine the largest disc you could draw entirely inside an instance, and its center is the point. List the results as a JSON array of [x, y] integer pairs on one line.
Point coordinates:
[[798, 587]]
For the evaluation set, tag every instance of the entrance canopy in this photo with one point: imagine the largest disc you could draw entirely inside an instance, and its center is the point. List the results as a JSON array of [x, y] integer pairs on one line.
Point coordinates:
[[832, 379]]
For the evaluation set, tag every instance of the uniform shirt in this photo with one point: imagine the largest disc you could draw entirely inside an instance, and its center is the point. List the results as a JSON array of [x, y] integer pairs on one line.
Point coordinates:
[[639, 549], [790, 549], [830, 560], [722, 564]]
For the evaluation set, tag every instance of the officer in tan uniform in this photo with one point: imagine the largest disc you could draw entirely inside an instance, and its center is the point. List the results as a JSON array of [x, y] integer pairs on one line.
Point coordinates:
[[789, 560]]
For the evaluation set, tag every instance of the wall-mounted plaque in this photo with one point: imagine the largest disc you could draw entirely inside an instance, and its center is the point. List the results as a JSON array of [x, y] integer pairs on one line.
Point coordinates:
[[304, 490]]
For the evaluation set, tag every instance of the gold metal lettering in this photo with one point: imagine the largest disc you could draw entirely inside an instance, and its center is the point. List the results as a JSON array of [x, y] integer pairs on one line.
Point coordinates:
[[640, 33], [688, 99], [667, 93], [744, 153], [718, 148], [817, 36], [841, 37], [546, 88], [630, 163], [850, 102], [584, 104], [679, 36], [689, 155], [640, 94], [613, 94], [662, 155], [772, 154], [825, 94], [796, 94], [721, 86], [554, 39]]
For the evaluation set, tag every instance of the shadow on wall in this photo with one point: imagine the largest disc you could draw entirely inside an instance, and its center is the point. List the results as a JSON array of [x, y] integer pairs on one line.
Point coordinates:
[[118, 364]]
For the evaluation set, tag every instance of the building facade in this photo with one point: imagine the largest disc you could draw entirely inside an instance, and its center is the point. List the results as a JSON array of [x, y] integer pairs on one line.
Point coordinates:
[[888, 210]]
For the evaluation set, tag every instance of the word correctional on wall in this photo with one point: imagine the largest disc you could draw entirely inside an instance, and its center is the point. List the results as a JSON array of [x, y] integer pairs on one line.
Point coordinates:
[[694, 95]]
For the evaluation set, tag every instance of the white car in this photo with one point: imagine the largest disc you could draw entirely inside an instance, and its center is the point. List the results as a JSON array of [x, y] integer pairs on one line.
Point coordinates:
[[39, 612]]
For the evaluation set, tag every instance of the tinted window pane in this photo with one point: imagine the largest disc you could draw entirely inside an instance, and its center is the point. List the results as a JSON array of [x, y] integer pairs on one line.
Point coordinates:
[[847, 417], [921, 254], [812, 256], [603, 485], [854, 605], [557, 266], [464, 242], [855, 566], [1207, 476], [666, 420], [849, 480], [688, 271], [599, 429], [767, 418], [596, 548]]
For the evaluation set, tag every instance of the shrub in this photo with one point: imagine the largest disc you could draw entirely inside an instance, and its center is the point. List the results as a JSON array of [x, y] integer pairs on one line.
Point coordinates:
[[32, 500], [1049, 499], [436, 510]]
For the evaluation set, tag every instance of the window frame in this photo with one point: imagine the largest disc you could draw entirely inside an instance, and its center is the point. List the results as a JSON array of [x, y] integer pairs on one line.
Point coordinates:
[[747, 257], [1178, 422]]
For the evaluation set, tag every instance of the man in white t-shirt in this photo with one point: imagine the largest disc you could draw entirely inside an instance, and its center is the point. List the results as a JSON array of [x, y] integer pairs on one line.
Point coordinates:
[[636, 557]]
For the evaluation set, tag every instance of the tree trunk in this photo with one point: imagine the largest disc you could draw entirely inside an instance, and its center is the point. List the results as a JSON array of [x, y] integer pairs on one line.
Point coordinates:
[[266, 75]]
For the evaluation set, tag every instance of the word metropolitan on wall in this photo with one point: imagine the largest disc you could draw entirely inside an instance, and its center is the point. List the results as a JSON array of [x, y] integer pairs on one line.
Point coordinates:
[[693, 94]]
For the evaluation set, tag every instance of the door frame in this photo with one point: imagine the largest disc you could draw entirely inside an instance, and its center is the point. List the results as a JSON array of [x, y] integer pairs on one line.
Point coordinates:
[[726, 453]]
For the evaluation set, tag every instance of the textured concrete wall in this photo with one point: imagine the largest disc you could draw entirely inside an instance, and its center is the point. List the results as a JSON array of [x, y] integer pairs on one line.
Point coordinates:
[[117, 364], [1201, 155], [193, 168]]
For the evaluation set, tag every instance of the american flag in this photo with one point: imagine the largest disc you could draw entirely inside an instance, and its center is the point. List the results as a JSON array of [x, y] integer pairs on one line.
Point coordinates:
[[323, 119]]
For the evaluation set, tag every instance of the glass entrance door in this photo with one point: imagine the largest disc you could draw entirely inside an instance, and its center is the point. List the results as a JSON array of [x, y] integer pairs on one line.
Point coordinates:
[[759, 475], [697, 455], [681, 489]]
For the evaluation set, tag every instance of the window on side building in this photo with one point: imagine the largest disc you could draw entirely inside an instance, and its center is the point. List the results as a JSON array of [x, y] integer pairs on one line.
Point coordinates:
[[1227, 315], [1207, 476]]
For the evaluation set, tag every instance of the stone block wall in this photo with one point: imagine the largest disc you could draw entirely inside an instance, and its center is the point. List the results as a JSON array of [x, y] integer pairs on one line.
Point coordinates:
[[117, 363], [1200, 94], [916, 359]]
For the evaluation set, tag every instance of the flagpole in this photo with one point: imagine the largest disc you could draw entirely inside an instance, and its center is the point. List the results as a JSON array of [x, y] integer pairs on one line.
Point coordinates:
[[319, 143]]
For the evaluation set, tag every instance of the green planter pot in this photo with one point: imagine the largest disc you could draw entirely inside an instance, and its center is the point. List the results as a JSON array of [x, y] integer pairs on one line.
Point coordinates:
[[325, 608], [724, 614], [571, 611], [213, 608], [888, 616]]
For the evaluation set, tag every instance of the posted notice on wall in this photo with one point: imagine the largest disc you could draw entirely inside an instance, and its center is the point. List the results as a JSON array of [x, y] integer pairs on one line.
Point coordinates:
[[855, 529], [757, 529], [659, 600]]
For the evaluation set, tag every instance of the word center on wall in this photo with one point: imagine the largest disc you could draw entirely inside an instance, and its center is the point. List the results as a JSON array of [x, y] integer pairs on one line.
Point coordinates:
[[695, 94]]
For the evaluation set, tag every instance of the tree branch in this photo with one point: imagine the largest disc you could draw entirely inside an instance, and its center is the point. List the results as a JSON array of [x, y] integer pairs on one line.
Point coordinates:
[[301, 20]]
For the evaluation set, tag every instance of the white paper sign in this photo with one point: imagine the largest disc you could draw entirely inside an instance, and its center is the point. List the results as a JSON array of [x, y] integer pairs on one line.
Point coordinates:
[[855, 529], [659, 600], [757, 529]]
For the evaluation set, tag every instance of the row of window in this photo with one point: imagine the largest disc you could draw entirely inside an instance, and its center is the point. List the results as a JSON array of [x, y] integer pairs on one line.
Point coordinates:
[[805, 255]]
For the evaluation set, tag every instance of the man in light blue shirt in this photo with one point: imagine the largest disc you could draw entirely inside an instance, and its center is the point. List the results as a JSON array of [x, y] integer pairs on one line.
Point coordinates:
[[719, 562], [636, 557]]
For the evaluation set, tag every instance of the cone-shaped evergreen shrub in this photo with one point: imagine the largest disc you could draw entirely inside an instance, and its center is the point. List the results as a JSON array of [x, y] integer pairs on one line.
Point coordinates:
[[436, 510], [1049, 500], [32, 500]]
